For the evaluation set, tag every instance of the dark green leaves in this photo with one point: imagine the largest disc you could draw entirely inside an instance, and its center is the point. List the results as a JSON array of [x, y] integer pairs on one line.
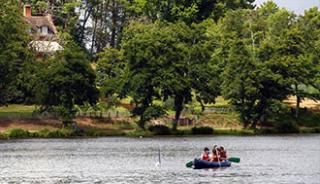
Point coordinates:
[[68, 81]]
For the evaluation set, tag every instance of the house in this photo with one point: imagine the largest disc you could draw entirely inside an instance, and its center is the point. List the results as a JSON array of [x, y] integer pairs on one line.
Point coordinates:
[[43, 32]]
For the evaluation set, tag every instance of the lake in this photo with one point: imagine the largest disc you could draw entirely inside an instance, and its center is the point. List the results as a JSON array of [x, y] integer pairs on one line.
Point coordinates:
[[264, 159]]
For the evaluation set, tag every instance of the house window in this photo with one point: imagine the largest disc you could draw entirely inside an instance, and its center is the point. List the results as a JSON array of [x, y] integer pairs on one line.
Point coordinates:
[[44, 30]]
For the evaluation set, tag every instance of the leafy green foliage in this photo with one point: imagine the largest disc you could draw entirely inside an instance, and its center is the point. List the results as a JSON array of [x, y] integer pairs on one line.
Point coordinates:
[[167, 60], [263, 55], [252, 77], [67, 82], [110, 71], [186, 10], [18, 133], [14, 52]]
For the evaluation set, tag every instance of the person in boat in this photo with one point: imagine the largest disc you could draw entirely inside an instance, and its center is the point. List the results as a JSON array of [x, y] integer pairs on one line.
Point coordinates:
[[215, 154], [205, 154], [222, 154]]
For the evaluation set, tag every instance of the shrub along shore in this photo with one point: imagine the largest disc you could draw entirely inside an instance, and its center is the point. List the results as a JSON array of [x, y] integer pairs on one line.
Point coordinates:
[[158, 130]]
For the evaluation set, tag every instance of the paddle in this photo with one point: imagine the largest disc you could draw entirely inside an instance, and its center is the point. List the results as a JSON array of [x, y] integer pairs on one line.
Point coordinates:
[[218, 157], [231, 159], [189, 164], [234, 159]]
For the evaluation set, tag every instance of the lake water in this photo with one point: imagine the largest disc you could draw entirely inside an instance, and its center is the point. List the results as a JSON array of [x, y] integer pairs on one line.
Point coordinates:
[[269, 159]]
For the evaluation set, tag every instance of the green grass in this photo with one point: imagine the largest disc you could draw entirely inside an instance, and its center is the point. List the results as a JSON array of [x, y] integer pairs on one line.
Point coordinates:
[[44, 133], [223, 124], [222, 120], [18, 133], [16, 111], [17, 108], [123, 125]]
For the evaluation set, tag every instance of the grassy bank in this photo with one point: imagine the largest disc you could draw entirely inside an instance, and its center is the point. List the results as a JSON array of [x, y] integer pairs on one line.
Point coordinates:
[[16, 121]]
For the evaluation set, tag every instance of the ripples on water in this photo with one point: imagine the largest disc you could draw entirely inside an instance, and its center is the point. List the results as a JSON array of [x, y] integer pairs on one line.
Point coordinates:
[[271, 159]]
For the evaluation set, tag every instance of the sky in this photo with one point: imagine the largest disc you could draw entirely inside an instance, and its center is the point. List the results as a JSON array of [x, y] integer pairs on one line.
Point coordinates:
[[298, 6]]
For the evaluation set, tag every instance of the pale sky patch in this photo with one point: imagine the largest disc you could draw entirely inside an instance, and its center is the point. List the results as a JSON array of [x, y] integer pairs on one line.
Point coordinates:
[[298, 6]]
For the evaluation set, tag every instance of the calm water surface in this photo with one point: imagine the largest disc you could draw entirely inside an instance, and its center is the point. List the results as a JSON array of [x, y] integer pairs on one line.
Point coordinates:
[[271, 159]]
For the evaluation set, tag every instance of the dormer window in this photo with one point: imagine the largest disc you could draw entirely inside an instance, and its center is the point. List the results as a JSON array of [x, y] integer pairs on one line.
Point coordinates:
[[44, 30], [42, 26]]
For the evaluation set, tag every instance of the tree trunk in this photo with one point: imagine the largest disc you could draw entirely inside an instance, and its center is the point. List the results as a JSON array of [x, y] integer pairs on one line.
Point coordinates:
[[178, 107], [203, 108], [254, 124], [87, 15], [94, 34], [141, 122], [114, 24], [176, 120], [298, 100]]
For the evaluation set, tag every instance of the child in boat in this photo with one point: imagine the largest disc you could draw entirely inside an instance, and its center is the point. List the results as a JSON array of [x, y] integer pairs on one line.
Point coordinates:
[[222, 153], [214, 155], [205, 154]]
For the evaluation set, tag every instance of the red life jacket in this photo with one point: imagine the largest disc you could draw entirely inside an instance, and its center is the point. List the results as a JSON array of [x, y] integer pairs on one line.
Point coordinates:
[[205, 157]]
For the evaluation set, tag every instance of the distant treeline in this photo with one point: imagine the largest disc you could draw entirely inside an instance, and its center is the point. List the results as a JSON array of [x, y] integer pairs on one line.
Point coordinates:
[[167, 50]]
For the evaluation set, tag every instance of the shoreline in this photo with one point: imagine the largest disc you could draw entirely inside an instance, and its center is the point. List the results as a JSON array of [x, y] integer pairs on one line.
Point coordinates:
[[18, 133]]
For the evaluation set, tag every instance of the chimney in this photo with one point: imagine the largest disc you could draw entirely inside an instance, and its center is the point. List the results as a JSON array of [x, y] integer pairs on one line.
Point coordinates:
[[27, 11]]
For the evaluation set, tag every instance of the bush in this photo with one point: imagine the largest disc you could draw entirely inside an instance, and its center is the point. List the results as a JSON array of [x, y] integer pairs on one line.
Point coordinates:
[[44, 133], [3, 136], [60, 133], [18, 133], [124, 125], [138, 133], [93, 133], [160, 130], [287, 127], [202, 130]]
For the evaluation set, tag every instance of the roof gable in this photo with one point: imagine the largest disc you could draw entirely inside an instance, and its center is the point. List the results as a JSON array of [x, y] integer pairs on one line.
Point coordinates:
[[40, 21]]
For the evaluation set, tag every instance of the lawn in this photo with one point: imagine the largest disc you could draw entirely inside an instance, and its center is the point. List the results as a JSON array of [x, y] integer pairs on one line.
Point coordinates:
[[17, 111], [20, 116]]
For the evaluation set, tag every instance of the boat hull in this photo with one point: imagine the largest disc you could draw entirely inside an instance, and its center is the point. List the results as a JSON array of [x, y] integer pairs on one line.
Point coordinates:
[[203, 164]]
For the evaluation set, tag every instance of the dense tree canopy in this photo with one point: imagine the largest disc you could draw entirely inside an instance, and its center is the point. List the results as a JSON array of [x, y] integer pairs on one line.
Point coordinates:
[[68, 81], [13, 50], [168, 60], [265, 59], [155, 51]]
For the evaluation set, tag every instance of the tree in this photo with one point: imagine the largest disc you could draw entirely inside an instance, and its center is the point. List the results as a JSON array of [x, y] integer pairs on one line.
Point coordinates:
[[253, 78], [69, 81], [168, 60], [189, 11], [309, 25], [139, 46], [13, 49], [296, 51], [203, 71], [111, 73]]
